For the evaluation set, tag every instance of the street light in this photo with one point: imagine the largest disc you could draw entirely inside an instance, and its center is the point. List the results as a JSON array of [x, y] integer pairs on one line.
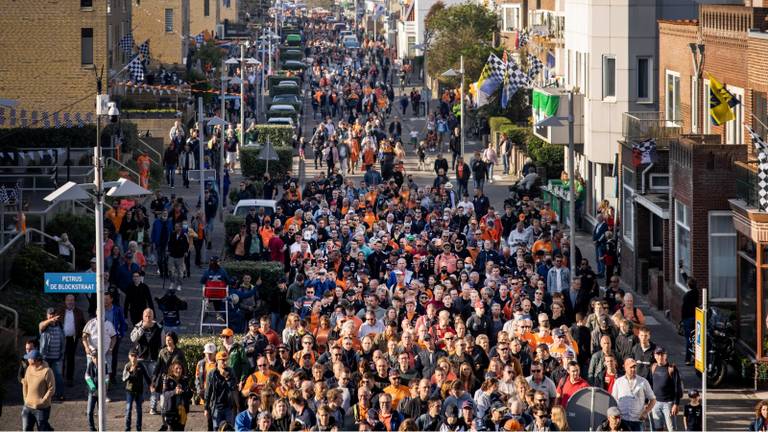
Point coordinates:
[[73, 191], [452, 73], [556, 122]]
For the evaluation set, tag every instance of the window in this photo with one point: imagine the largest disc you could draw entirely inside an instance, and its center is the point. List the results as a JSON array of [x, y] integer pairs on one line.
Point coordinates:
[[510, 18], [657, 233], [86, 4], [659, 182], [644, 79], [673, 110], [722, 256], [706, 123], [734, 130], [609, 77], [682, 243], [411, 44], [628, 207], [759, 112], [169, 20], [694, 104], [86, 46], [206, 7]]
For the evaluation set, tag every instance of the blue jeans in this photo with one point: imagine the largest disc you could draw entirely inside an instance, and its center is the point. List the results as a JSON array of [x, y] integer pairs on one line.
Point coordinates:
[[662, 418], [221, 415], [505, 163], [31, 417], [92, 401], [490, 171], [479, 184], [636, 426], [170, 174], [131, 399], [599, 249], [55, 365]]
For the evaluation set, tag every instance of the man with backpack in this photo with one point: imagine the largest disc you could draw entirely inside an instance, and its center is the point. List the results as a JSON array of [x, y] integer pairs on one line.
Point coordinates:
[[667, 385]]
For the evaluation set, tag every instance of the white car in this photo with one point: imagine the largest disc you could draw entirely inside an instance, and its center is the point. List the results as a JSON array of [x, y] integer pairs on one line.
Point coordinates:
[[243, 206], [281, 121]]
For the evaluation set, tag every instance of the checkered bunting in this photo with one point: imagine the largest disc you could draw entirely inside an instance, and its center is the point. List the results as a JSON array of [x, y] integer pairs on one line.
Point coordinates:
[[126, 43], [762, 171], [535, 66], [144, 49], [136, 68], [524, 38]]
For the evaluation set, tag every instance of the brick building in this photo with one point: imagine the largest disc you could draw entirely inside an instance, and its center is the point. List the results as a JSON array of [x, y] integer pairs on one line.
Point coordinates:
[[712, 229], [207, 14], [166, 24], [50, 51]]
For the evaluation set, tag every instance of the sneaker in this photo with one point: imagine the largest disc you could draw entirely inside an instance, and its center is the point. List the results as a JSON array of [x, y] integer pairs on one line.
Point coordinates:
[[152, 411], [178, 287]]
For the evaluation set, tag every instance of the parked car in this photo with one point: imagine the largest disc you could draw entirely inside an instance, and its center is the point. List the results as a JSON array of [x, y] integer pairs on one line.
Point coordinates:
[[243, 206]]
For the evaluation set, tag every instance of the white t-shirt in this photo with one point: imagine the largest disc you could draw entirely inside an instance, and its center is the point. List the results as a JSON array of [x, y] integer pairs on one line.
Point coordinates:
[[91, 329], [631, 396]]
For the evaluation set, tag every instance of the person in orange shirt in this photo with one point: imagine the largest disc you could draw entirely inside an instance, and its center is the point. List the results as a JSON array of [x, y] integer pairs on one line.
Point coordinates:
[[543, 243], [143, 162], [395, 388], [260, 377]]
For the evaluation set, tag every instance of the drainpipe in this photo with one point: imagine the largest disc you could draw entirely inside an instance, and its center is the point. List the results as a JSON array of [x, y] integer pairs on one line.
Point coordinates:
[[642, 176]]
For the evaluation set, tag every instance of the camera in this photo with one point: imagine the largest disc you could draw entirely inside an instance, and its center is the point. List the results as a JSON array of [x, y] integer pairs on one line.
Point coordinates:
[[113, 112]]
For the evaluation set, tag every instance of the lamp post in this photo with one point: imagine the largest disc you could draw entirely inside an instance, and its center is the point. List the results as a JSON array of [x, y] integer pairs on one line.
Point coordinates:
[[72, 191], [452, 73], [556, 122]]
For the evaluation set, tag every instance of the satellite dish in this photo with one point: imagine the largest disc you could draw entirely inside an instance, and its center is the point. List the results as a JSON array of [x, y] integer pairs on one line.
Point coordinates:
[[587, 407]]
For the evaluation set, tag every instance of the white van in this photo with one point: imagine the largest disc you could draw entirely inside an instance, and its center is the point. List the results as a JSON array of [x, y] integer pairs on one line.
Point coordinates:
[[243, 206]]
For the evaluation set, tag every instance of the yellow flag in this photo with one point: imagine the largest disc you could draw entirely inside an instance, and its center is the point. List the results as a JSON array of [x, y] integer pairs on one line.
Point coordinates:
[[721, 102]]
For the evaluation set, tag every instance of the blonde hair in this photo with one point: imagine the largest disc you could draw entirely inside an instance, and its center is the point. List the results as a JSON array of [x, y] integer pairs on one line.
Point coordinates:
[[559, 418]]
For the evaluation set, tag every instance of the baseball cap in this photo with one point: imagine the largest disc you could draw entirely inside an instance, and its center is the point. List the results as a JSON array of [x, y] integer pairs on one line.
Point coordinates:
[[133, 352], [660, 350], [93, 260], [221, 355], [558, 332], [467, 404], [253, 321], [209, 348], [227, 332], [613, 412], [693, 393]]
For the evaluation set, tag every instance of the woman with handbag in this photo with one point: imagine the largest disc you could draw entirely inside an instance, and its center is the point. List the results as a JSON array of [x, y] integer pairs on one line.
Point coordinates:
[[175, 398]]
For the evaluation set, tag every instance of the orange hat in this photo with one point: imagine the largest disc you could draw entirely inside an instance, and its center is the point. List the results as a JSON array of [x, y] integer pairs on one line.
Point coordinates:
[[222, 355], [227, 332]]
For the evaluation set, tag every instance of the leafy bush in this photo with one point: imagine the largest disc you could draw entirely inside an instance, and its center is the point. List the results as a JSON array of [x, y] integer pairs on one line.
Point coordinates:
[[232, 225], [278, 135], [254, 168], [270, 273], [15, 138], [80, 229], [547, 155], [193, 348], [127, 130], [495, 123], [516, 134]]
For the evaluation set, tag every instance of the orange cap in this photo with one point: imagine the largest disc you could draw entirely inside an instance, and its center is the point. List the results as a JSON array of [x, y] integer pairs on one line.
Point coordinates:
[[227, 332], [221, 355]]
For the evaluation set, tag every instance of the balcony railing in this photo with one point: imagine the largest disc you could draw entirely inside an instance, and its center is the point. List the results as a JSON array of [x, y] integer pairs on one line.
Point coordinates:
[[638, 126], [746, 183]]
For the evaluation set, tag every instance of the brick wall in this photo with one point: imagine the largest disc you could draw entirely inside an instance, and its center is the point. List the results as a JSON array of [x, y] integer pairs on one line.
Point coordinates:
[[674, 55], [198, 22], [41, 68], [149, 23]]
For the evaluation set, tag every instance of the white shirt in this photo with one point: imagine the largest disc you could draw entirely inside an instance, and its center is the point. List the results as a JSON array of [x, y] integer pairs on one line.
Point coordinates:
[[69, 323], [546, 386], [631, 396], [92, 330]]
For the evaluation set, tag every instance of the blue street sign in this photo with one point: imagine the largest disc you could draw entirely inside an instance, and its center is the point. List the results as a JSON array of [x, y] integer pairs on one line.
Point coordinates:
[[70, 283]]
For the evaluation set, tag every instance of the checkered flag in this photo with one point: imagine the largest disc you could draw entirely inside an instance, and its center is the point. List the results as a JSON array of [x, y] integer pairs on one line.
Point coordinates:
[[646, 150], [144, 49], [524, 38], [497, 66], [514, 79], [199, 39], [535, 66], [4, 197], [762, 172], [126, 43], [136, 69]]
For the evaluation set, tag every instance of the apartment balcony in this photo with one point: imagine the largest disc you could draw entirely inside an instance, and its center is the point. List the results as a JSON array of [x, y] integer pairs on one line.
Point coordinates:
[[639, 126], [748, 218], [553, 102]]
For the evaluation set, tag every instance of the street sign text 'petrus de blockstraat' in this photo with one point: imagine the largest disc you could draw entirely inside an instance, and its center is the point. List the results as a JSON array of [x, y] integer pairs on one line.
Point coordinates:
[[70, 283]]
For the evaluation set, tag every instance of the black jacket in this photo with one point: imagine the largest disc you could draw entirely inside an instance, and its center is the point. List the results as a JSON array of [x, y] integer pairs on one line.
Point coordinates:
[[178, 245], [218, 389], [147, 341], [441, 163]]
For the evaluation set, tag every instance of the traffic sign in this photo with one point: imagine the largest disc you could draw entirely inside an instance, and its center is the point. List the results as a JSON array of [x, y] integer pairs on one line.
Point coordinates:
[[70, 283], [268, 153], [699, 340]]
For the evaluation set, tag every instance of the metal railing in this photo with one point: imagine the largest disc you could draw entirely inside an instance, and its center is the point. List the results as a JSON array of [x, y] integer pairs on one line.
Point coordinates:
[[7, 253], [5, 328], [124, 166], [638, 126], [31, 232], [157, 153], [746, 183]]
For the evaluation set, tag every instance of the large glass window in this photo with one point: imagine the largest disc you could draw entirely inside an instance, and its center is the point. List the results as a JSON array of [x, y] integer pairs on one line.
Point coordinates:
[[644, 79], [86, 46], [673, 110], [682, 243], [748, 301], [609, 76], [510, 18], [722, 256]]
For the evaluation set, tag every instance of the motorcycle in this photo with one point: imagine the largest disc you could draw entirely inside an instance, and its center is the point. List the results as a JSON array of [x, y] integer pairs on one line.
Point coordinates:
[[720, 344]]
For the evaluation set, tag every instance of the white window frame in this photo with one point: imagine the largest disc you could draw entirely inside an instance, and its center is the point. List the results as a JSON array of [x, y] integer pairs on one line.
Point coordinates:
[[683, 225], [653, 248], [670, 109], [655, 188], [627, 215], [734, 130], [694, 104], [649, 72], [608, 97], [707, 126], [504, 24], [720, 213]]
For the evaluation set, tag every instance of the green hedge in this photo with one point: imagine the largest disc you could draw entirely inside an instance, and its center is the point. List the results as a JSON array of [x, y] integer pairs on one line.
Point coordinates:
[[254, 168], [495, 123], [279, 135], [232, 225], [80, 229], [516, 134], [269, 271], [543, 154], [193, 349], [28, 138]]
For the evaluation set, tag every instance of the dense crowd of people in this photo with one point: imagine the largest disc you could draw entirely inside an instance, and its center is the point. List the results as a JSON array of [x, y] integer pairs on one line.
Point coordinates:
[[401, 307]]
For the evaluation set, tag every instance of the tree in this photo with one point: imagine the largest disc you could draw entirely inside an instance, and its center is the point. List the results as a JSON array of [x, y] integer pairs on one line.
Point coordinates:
[[466, 29]]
